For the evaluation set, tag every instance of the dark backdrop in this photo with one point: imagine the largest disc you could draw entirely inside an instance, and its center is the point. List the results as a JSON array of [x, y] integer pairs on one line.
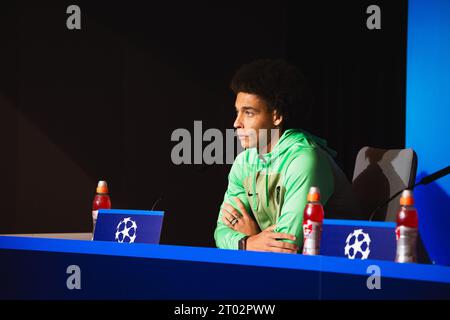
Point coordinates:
[[102, 102]]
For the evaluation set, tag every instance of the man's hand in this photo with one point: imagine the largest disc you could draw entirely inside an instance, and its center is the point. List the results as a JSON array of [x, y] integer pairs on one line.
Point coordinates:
[[242, 223], [267, 241]]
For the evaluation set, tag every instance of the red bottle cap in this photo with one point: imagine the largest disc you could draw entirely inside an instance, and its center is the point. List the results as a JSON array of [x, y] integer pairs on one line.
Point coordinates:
[[102, 187], [313, 194], [407, 198]]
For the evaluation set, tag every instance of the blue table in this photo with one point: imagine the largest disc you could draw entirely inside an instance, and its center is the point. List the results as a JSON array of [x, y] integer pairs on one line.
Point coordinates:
[[36, 268]]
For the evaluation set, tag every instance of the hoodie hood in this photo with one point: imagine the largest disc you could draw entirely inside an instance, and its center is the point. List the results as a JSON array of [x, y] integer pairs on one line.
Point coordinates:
[[291, 141], [297, 138]]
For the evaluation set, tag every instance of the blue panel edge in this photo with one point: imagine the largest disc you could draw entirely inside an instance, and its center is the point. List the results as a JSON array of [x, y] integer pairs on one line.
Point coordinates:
[[419, 272], [360, 223], [132, 212]]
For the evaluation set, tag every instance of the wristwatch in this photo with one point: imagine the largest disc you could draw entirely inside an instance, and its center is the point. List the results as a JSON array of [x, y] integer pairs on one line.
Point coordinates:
[[243, 243]]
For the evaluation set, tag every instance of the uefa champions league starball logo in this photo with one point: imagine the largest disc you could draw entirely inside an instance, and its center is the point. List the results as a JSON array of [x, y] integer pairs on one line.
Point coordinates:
[[126, 231], [357, 245]]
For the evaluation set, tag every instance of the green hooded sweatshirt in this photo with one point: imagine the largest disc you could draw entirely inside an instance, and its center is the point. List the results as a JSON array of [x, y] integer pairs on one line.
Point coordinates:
[[273, 187]]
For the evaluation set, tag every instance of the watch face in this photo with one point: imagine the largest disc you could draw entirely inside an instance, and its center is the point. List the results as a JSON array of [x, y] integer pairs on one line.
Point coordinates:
[[242, 243]]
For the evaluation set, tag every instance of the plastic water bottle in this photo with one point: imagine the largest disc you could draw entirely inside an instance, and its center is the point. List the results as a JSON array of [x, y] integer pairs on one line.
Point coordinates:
[[101, 201], [312, 223], [406, 231]]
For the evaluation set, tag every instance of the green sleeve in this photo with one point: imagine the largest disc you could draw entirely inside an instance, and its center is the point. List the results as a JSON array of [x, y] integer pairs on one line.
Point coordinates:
[[306, 170], [225, 237]]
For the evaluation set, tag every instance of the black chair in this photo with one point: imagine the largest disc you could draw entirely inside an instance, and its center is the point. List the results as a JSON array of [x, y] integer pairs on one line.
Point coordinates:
[[378, 175]]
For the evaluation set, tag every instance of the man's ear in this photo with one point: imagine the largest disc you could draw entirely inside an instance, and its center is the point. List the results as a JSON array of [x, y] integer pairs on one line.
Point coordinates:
[[277, 118]]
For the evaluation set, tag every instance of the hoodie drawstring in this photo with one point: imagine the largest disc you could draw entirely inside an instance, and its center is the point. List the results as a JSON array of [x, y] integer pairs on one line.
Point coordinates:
[[267, 190], [266, 165], [255, 170]]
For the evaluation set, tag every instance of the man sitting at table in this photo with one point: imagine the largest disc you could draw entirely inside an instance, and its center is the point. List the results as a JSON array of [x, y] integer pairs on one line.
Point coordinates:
[[268, 183]]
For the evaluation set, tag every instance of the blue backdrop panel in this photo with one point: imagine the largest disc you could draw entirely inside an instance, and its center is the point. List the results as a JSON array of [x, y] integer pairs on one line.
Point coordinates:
[[428, 117]]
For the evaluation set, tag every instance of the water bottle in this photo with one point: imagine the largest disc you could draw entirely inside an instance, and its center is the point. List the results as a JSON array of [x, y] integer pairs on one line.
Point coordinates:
[[406, 230], [312, 223], [101, 201]]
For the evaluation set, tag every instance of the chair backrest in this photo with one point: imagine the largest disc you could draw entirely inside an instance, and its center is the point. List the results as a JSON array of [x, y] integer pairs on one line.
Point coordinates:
[[378, 175]]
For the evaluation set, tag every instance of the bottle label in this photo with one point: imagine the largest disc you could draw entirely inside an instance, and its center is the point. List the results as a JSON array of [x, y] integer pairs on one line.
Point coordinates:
[[94, 215], [94, 221], [406, 244], [312, 232]]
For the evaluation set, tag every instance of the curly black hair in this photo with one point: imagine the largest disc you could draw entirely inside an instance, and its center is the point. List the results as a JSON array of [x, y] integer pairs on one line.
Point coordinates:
[[281, 85]]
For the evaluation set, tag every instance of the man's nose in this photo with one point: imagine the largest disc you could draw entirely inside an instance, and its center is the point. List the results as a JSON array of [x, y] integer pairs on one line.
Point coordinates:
[[237, 122]]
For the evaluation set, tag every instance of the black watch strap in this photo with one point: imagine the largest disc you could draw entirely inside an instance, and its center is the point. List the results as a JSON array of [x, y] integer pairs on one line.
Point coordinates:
[[243, 243]]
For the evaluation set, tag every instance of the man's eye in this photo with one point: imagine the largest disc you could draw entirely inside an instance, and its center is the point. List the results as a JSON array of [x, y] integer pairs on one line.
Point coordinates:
[[249, 113]]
